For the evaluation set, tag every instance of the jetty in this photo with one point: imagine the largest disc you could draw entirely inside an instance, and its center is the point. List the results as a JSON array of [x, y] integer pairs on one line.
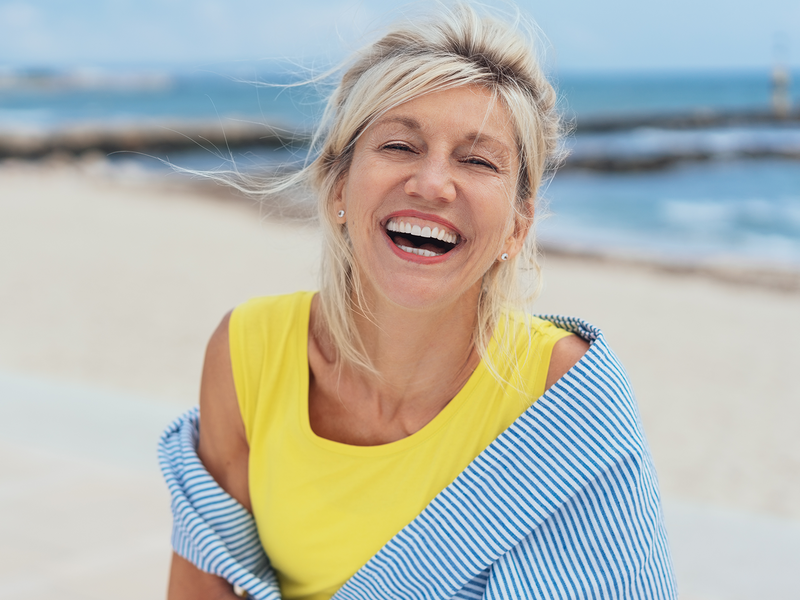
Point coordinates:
[[158, 138], [149, 137]]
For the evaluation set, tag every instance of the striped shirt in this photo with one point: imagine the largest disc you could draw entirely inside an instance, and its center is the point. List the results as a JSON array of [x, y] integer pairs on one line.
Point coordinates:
[[563, 504]]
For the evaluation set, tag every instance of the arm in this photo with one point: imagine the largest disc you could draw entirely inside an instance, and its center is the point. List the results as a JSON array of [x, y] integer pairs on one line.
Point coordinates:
[[224, 451], [567, 351]]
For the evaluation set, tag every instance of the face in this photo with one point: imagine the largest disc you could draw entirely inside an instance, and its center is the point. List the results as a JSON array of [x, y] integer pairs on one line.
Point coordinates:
[[428, 198]]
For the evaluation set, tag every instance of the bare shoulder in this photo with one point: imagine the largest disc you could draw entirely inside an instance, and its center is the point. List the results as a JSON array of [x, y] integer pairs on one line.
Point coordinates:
[[223, 444], [566, 353]]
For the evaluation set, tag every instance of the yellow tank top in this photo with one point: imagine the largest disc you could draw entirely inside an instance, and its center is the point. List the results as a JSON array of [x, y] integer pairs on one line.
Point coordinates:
[[324, 508]]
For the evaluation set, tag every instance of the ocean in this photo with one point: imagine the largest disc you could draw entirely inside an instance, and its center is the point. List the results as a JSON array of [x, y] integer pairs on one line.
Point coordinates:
[[722, 193]]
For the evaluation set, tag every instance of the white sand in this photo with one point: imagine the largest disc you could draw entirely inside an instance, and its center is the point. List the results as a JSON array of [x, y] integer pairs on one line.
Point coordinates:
[[121, 283], [117, 282]]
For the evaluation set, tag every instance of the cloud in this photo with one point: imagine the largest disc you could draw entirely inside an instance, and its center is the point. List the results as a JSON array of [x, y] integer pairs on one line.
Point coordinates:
[[18, 14], [23, 32]]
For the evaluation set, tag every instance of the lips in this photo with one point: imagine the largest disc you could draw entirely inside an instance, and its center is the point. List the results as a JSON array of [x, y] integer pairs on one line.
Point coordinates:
[[415, 235]]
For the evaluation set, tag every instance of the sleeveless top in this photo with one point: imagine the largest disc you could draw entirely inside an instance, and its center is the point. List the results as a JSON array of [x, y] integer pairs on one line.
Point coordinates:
[[324, 508]]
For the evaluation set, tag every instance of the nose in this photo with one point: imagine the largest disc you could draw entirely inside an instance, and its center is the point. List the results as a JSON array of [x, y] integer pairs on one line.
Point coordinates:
[[432, 180]]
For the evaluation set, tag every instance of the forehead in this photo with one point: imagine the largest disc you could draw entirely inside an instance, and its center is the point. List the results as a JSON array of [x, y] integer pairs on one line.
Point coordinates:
[[469, 113]]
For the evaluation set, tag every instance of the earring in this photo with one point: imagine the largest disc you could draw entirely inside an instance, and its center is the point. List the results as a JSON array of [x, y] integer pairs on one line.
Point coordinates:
[[340, 214], [504, 256]]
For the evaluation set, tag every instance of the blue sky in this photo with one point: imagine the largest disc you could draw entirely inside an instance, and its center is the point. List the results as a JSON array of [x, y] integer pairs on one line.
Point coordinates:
[[584, 35]]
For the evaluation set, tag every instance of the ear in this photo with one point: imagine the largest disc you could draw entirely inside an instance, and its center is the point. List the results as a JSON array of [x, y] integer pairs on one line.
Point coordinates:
[[338, 205], [523, 221]]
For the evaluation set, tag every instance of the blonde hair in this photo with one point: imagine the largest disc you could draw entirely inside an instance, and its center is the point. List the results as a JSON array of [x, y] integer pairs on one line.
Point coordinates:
[[454, 47]]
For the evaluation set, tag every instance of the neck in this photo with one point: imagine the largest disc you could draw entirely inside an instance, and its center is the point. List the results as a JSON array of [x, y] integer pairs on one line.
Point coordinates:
[[422, 358], [419, 352]]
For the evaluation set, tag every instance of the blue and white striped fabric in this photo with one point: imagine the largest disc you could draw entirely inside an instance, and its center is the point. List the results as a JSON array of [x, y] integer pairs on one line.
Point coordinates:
[[563, 504], [210, 528]]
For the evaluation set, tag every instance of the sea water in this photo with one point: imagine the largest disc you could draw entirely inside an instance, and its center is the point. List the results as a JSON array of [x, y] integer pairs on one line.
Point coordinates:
[[721, 209], [740, 213]]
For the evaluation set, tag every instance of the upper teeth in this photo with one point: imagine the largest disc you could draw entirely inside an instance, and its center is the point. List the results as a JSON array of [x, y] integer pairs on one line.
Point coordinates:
[[427, 232]]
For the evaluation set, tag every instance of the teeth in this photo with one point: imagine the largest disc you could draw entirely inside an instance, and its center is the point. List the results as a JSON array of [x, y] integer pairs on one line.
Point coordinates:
[[435, 233], [417, 251]]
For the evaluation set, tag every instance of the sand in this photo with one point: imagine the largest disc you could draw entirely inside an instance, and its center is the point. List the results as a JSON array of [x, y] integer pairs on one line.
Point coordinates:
[[113, 281], [120, 281]]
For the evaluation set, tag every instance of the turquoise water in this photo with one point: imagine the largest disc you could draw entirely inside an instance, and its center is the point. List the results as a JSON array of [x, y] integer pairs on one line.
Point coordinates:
[[49, 99], [65, 99], [593, 95]]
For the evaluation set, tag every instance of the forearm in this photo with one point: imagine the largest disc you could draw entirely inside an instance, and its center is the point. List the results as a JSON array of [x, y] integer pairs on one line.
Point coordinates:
[[187, 582]]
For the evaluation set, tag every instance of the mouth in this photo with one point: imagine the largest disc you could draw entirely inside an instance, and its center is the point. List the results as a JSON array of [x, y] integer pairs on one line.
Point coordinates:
[[415, 237]]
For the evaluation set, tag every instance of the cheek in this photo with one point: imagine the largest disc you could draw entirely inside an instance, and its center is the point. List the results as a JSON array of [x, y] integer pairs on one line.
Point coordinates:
[[503, 220], [359, 229], [356, 197]]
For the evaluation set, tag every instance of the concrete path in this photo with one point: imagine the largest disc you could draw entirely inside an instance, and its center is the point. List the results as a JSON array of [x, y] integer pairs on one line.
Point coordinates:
[[84, 514]]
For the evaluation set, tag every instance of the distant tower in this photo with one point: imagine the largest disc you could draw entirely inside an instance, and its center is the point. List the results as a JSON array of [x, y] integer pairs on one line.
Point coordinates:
[[781, 80]]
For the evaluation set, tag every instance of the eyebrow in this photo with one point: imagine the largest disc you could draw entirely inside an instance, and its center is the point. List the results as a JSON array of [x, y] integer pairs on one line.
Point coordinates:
[[477, 138], [411, 123]]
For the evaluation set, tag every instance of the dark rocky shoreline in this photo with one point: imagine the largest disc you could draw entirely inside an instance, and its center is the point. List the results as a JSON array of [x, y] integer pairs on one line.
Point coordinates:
[[157, 138]]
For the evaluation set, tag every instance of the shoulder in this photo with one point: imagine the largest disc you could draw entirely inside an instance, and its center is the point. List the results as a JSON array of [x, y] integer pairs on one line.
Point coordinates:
[[559, 348], [260, 324], [566, 353], [218, 351], [271, 308], [262, 327]]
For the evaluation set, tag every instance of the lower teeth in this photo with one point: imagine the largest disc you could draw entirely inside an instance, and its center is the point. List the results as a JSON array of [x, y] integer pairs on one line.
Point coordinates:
[[417, 251]]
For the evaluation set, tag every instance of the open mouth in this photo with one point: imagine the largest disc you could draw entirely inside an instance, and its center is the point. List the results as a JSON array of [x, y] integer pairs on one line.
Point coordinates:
[[421, 240]]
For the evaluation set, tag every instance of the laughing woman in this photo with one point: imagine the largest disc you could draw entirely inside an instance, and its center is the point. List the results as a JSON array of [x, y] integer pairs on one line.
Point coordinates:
[[408, 431]]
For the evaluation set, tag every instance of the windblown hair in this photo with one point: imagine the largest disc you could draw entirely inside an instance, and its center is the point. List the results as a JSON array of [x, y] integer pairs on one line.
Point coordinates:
[[455, 47]]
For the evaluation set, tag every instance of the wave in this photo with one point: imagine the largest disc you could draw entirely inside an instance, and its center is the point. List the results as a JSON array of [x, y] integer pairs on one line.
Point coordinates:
[[649, 144], [718, 211]]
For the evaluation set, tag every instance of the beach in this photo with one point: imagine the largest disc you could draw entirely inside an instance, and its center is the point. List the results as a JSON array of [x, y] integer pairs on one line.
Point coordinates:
[[113, 280]]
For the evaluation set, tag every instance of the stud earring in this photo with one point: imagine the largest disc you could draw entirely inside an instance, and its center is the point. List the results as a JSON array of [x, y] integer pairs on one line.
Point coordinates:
[[504, 256], [340, 214]]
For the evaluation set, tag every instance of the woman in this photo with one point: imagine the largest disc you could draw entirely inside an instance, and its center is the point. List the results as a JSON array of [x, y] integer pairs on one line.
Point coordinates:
[[407, 431]]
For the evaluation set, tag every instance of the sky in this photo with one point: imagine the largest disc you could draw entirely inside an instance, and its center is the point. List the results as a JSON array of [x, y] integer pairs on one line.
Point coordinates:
[[582, 35]]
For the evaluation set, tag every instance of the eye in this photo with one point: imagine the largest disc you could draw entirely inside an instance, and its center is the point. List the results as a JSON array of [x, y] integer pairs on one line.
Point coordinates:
[[402, 146], [477, 160]]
